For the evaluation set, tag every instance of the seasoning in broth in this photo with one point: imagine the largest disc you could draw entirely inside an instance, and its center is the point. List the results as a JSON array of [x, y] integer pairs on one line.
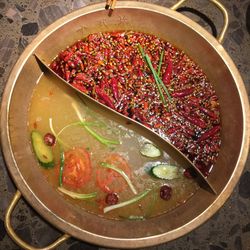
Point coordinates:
[[150, 81], [99, 165]]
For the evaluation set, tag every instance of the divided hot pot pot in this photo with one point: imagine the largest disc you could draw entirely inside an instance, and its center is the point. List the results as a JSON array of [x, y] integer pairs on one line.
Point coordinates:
[[169, 25]]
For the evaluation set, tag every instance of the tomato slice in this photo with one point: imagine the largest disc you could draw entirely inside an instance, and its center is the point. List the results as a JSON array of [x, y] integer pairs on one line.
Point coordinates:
[[109, 180], [77, 168]]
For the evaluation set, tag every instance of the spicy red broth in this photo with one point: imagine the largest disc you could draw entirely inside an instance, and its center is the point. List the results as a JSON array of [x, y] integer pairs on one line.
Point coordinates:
[[111, 68]]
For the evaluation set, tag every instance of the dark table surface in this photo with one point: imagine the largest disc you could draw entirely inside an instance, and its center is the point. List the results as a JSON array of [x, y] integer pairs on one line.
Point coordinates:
[[21, 21]]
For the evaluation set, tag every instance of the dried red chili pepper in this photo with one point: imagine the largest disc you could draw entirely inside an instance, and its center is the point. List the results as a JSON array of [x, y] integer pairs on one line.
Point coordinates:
[[54, 65], [67, 55], [79, 86], [82, 77], [195, 120], [114, 85], [104, 97], [194, 101], [209, 133], [67, 75], [210, 113], [168, 73], [182, 92], [71, 64]]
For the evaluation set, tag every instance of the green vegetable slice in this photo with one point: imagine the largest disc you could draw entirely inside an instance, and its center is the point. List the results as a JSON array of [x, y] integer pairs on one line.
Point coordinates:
[[77, 195], [122, 173], [128, 202], [42, 151], [150, 150], [166, 172]]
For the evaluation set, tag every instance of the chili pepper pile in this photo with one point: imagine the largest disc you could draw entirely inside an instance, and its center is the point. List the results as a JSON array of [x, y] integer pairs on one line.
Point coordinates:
[[110, 68]]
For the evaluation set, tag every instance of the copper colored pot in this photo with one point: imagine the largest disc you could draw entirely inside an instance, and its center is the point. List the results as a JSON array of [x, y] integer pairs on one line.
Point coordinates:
[[180, 31]]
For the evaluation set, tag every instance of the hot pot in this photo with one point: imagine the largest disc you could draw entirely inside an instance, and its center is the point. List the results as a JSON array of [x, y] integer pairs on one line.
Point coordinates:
[[180, 31]]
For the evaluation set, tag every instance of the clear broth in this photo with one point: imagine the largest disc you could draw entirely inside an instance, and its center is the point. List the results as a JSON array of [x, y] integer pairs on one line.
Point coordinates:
[[52, 99]]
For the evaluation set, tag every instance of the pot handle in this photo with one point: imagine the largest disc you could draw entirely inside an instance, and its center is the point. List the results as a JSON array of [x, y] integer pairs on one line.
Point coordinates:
[[16, 238], [220, 7]]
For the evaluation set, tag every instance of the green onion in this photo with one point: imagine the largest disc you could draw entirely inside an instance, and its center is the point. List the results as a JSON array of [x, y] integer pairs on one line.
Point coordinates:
[[100, 138], [164, 87], [141, 50], [122, 173], [128, 202], [77, 195], [76, 124], [157, 78], [160, 62], [61, 166]]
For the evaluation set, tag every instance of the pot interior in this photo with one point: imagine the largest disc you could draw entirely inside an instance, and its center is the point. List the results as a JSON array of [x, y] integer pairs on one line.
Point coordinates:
[[179, 31]]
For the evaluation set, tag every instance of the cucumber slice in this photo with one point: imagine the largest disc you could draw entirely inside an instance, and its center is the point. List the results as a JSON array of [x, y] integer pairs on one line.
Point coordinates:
[[42, 151], [166, 172], [150, 150]]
